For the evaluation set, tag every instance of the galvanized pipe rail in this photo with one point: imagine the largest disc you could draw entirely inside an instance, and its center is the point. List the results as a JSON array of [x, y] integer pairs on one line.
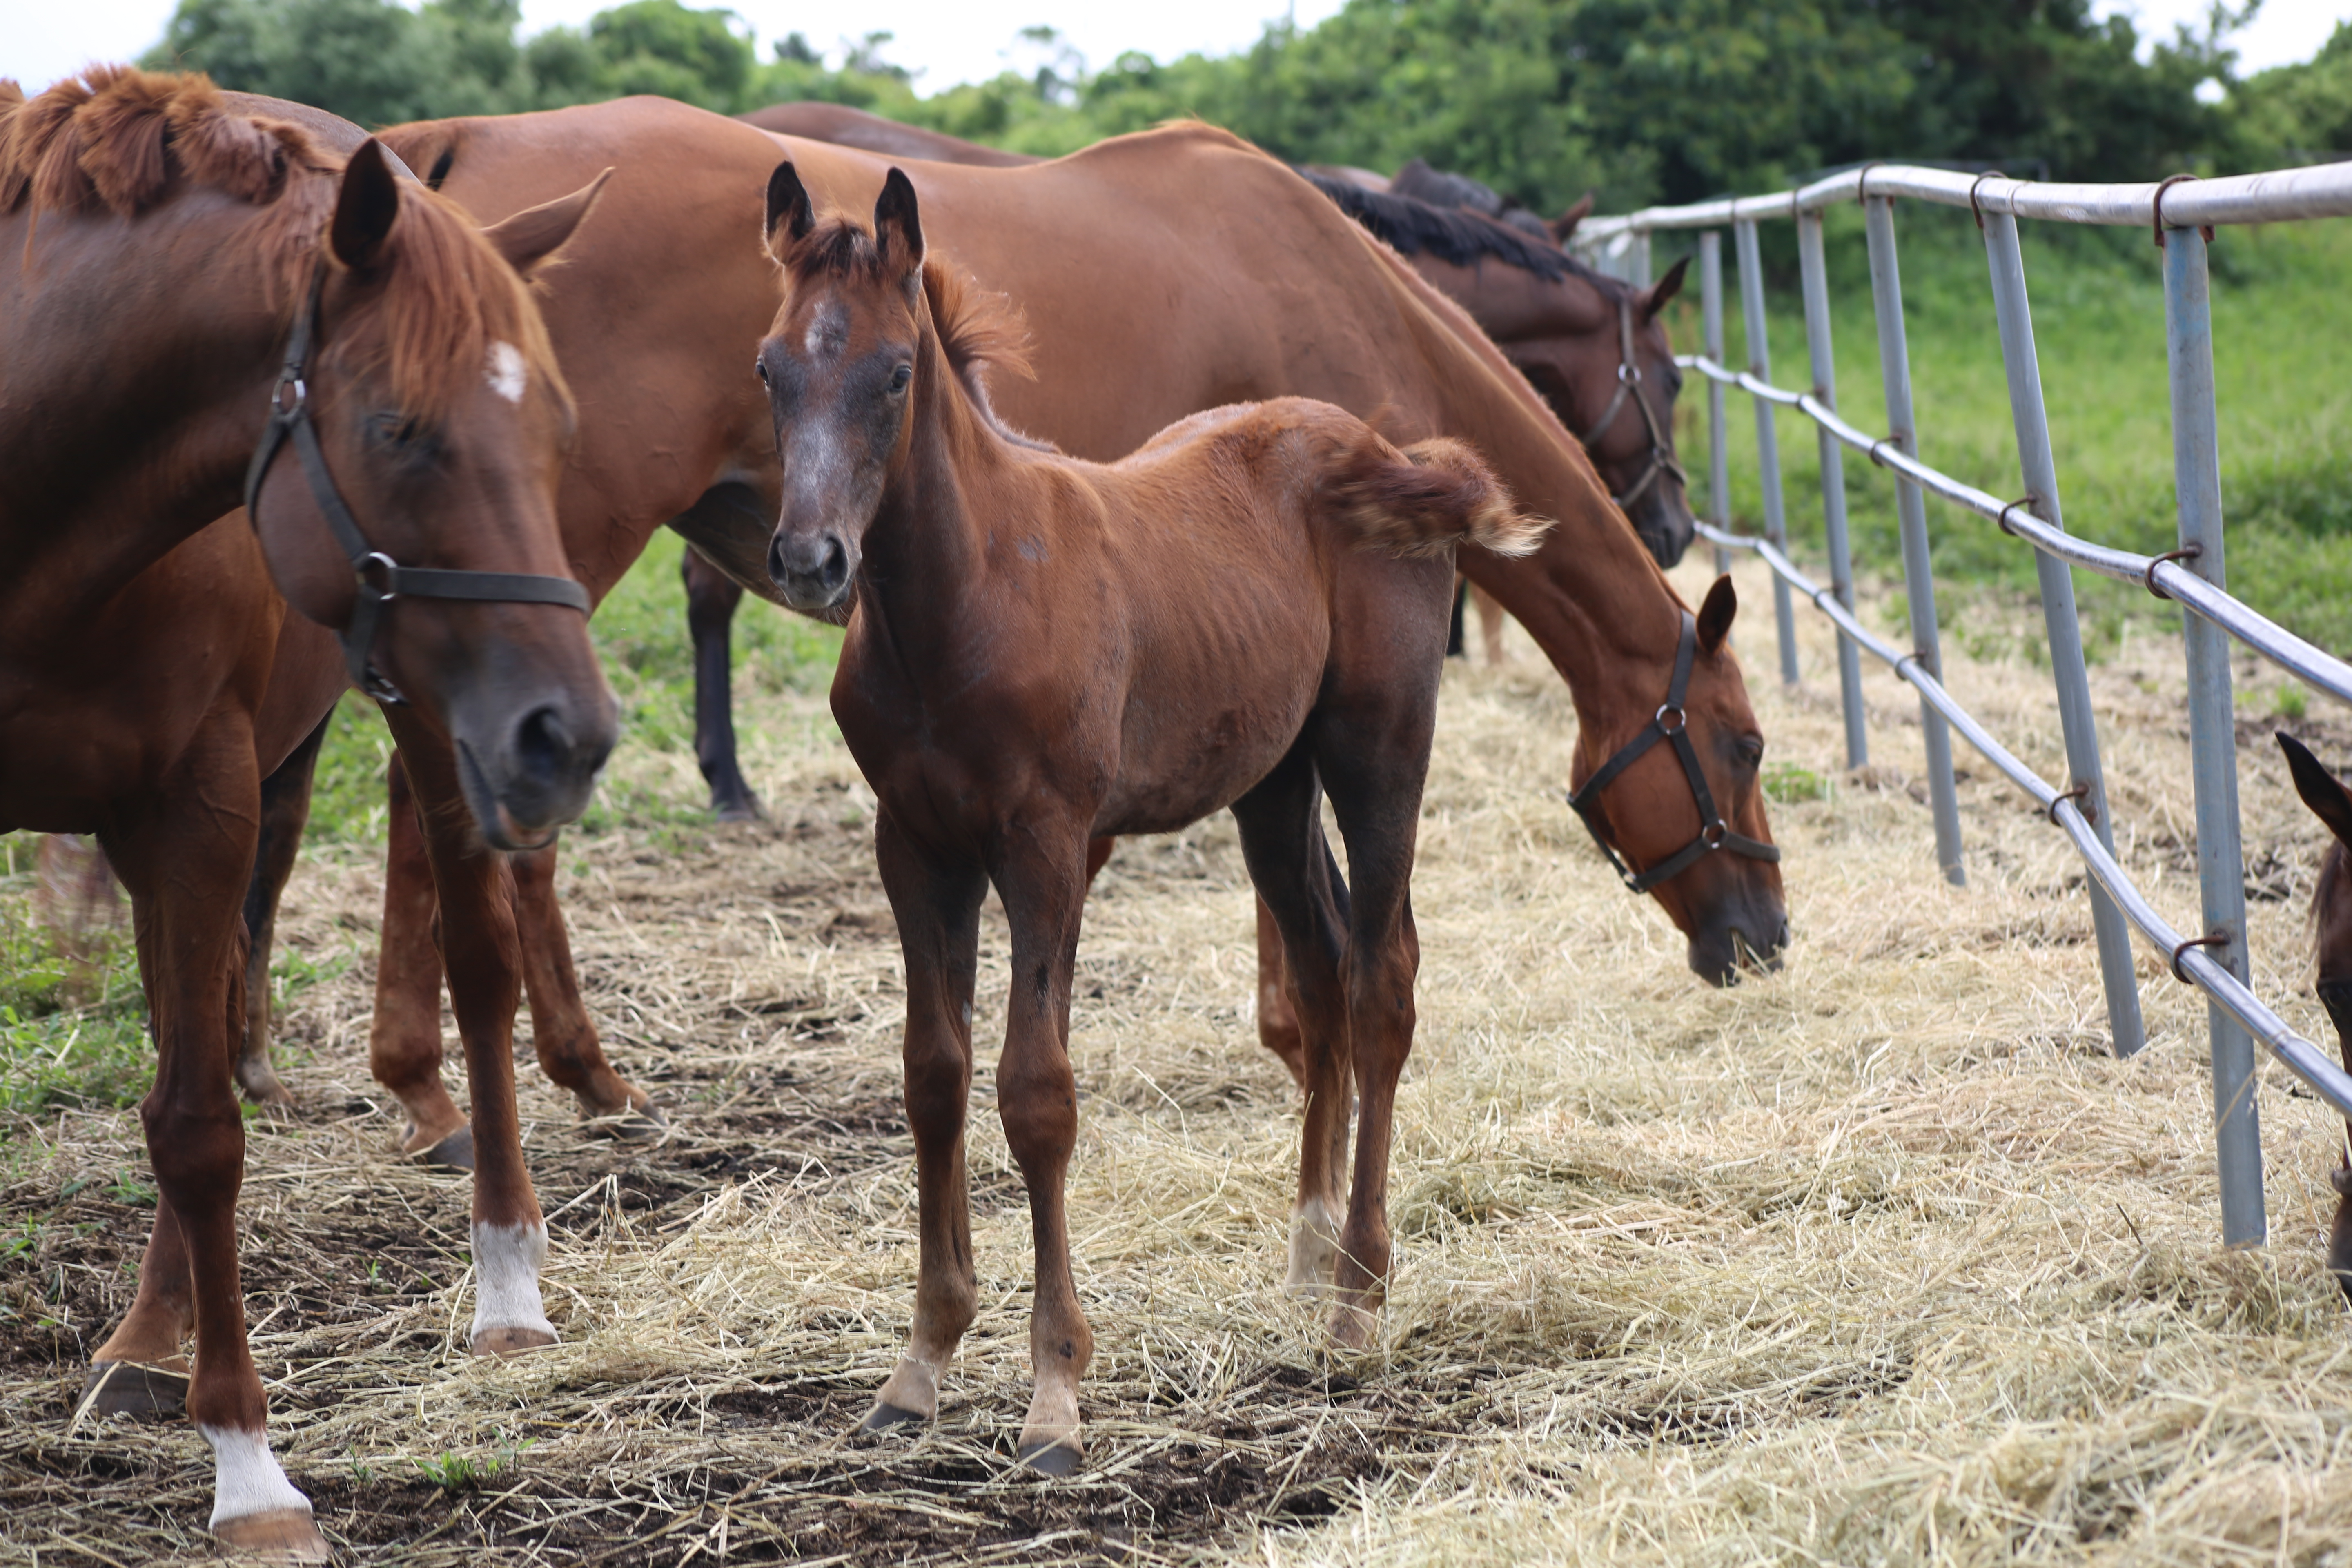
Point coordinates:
[[2193, 576]]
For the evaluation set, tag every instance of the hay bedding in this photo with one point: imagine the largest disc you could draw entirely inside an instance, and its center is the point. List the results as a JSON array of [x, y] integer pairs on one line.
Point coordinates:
[[1881, 1260]]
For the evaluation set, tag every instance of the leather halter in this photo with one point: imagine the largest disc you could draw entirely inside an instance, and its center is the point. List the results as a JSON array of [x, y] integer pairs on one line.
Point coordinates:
[[1714, 832], [1628, 388], [377, 578]]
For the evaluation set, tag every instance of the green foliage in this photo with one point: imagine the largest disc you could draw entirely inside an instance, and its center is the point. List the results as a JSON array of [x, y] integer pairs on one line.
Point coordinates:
[[2296, 113]]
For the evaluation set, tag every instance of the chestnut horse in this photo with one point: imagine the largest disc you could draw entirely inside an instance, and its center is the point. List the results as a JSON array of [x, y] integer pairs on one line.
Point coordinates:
[[186, 289], [1592, 344], [2331, 913], [1248, 612], [1241, 282]]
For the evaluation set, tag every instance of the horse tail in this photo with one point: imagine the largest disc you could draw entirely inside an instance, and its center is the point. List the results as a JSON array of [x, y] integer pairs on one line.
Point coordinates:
[[1442, 494]]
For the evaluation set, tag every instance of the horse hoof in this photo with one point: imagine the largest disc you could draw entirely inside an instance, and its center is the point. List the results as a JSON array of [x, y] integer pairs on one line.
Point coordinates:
[[506, 1343], [455, 1152], [1351, 1327], [275, 1535], [886, 1415], [744, 810], [1058, 1460], [634, 1124], [268, 1093], [126, 1388]]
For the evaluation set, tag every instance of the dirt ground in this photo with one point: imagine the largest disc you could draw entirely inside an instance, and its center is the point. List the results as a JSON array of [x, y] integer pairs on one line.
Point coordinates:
[[1881, 1259]]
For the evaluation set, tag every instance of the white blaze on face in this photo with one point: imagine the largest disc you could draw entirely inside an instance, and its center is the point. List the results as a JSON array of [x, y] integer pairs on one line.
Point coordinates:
[[507, 375], [247, 1478], [506, 1261]]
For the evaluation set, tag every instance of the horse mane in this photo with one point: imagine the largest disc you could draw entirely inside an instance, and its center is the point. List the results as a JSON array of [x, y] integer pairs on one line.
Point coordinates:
[[124, 139], [1412, 226], [980, 331]]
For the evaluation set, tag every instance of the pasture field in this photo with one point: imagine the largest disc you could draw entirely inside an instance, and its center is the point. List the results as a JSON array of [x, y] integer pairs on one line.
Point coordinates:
[[1882, 1259]]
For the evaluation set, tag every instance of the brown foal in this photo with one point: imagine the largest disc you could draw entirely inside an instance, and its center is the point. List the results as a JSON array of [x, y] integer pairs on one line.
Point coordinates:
[[1248, 611], [155, 243]]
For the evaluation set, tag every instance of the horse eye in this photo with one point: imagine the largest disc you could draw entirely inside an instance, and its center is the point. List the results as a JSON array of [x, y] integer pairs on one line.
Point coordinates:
[[901, 376], [1752, 752], [761, 366]]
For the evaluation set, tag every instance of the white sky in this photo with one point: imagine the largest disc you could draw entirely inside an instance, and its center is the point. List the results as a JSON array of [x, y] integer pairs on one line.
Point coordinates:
[[966, 40]]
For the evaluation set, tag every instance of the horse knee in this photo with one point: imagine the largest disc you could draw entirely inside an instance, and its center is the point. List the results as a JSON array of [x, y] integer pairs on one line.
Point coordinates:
[[1041, 1119]]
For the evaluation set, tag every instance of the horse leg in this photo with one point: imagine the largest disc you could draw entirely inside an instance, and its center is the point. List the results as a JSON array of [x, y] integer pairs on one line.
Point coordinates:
[[481, 955], [1040, 873], [1302, 895], [138, 1371], [1490, 625], [185, 858], [405, 1036], [285, 809], [561, 1033], [937, 902], [1277, 1012], [1454, 644], [711, 599], [1372, 750]]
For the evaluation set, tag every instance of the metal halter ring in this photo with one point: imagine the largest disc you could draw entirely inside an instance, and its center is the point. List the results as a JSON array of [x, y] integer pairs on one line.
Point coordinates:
[[2218, 938]]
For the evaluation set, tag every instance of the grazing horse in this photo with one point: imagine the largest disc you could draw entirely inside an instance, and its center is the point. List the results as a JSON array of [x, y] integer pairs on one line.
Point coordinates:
[[187, 289], [2331, 913], [1043, 652], [1236, 280]]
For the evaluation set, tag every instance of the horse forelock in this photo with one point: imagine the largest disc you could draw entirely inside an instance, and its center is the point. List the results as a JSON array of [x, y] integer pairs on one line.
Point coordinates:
[[120, 138]]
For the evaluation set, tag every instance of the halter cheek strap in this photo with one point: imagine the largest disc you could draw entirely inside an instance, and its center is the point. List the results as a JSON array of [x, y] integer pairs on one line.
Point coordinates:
[[377, 578], [1629, 389], [1714, 832]]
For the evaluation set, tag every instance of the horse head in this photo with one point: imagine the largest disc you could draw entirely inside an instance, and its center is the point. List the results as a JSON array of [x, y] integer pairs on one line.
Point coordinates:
[[1675, 799]]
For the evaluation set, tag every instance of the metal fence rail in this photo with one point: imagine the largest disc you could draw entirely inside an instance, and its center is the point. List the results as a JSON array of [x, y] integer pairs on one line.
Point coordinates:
[[2180, 212]]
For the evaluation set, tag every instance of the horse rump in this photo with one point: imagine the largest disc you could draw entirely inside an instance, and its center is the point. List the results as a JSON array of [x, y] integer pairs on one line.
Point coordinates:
[[1426, 499]]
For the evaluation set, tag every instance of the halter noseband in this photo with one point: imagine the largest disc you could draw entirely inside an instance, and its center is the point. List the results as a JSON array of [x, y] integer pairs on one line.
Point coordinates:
[[1714, 832], [377, 578], [1629, 386]]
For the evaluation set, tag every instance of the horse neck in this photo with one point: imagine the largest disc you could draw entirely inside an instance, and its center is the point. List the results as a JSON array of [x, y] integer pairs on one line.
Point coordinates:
[[145, 426], [927, 548]]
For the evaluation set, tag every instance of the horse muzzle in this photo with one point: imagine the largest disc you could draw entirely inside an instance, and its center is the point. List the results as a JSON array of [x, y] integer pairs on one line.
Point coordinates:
[[812, 568], [527, 778]]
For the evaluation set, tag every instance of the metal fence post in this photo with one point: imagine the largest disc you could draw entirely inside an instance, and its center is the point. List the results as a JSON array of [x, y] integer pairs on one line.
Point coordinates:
[[1813, 272], [1719, 461], [1637, 259], [2212, 729], [1768, 444], [1911, 515], [2027, 413]]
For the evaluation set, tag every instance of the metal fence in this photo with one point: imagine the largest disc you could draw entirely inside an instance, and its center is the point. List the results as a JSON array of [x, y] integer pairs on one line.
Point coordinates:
[[2181, 214]]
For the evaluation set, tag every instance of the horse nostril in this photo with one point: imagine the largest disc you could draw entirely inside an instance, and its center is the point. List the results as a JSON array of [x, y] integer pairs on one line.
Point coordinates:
[[836, 571], [778, 573], [543, 745]]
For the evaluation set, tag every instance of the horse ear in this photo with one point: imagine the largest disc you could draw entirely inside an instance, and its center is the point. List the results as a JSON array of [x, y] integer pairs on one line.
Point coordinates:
[[1565, 224], [365, 208], [1715, 612], [788, 206], [1665, 288], [896, 226], [2321, 790], [535, 233]]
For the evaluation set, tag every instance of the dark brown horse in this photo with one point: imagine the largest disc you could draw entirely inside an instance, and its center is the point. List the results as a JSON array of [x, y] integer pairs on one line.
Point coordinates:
[[1241, 282], [2331, 913], [185, 291], [1248, 611]]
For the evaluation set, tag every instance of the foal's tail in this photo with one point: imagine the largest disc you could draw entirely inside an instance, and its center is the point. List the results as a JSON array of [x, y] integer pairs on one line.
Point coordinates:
[[1441, 495]]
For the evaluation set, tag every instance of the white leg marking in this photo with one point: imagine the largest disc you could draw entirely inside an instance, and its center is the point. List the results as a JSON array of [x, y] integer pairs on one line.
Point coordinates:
[[506, 1261], [246, 1478], [506, 373], [1314, 1248]]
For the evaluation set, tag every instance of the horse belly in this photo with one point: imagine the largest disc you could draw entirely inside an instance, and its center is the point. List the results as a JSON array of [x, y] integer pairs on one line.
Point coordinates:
[[1186, 752]]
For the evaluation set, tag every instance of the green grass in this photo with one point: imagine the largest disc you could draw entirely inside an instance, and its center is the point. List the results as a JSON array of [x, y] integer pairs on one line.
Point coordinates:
[[73, 1030], [2282, 350]]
